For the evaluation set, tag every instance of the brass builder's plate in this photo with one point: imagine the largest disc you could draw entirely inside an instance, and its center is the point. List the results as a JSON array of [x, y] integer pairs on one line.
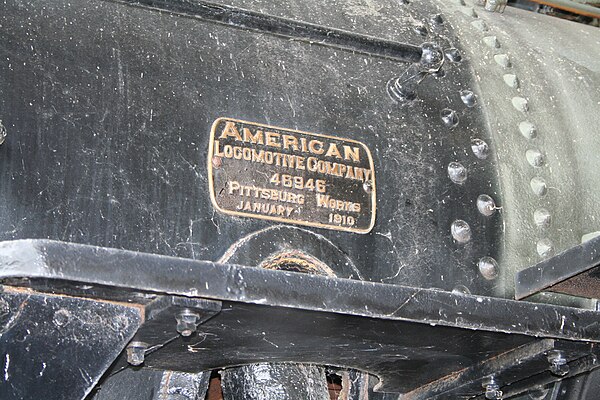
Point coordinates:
[[284, 175]]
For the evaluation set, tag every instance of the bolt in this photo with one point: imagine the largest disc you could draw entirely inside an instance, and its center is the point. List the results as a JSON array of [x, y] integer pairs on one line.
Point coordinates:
[[457, 172], [492, 389], [449, 117], [136, 352], [468, 97], [486, 205], [461, 231], [401, 91], [558, 363], [488, 267], [186, 322], [480, 148]]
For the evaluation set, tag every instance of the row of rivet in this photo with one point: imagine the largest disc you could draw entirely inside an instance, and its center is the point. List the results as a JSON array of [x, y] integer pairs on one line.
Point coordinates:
[[534, 157], [460, 229]]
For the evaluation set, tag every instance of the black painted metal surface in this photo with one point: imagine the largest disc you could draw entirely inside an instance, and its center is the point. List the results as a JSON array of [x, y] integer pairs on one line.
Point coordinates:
[[58, 347], [108, 108], [420, 342]]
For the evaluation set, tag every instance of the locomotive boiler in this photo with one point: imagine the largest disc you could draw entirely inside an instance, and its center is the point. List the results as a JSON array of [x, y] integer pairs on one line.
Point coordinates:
[[354, 199]]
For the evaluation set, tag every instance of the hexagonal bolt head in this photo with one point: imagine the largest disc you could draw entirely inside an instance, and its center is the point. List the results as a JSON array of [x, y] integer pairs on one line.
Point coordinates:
[[558, 363], [136, 352], [186, 322]]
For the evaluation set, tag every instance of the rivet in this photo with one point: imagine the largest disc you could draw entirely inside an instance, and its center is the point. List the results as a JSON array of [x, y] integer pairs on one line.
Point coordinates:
[[453, 55], [431, 54], [468, 97], [502, 60], [480, 148], [480, 25], [457, 172], [136, 353], [511, 80], [421, 30], [542, 218], [544, 247], [535, 158], [61, 317], [491, 41], [449, 117], [520, 104], [469, 12], [488, 268], [217, 162], [437, 19], [486, 205], [368, 186], [461, 289], [538, 185], [461, 231], [404, 2], [528, 129]]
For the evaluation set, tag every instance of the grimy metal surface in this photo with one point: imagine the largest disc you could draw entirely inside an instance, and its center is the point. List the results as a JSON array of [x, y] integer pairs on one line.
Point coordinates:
[[481, 130], [395, 333]]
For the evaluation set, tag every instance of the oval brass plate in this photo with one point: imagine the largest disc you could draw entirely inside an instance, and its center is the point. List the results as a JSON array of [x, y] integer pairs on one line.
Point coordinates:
[[285, 175]]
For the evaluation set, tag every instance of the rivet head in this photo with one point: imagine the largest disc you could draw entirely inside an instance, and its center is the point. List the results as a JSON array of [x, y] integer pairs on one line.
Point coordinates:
[[217, 162], [511, 80], [468, 97], [527, 129], [431, 55], [488, 268], [535, 158], [542, 218], [461, 231], [453, 55], [538, 186], [491, 41], [480, 148], [520, 104], [479, 24], [544, 247], [457, 172], [486, 205], [461, 289], [502, 60], [437, 20], [449, 117], [421, 30]]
